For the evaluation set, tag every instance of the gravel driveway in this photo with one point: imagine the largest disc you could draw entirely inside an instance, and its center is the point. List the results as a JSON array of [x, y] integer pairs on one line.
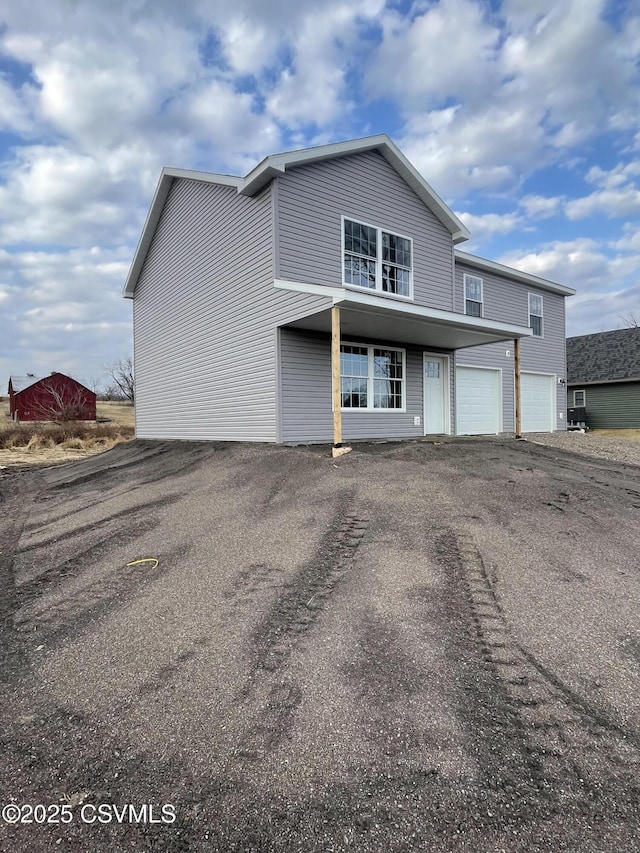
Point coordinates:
[[591, 444], [416, 647]]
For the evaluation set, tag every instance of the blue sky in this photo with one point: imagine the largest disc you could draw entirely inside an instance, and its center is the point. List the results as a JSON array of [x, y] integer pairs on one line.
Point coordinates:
[[524, 115]]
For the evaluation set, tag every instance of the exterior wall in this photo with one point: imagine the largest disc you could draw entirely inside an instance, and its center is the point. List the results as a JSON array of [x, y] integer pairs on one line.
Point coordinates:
[[45, 400], [306, 393], [614, 405], [205, 314], [364, 187], [508, 301]]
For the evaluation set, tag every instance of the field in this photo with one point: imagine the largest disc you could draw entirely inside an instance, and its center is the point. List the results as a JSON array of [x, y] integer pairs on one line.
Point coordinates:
[[47, 443]]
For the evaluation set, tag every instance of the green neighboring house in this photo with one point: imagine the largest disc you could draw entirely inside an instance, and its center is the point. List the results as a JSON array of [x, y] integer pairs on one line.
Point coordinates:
[[603, 375]]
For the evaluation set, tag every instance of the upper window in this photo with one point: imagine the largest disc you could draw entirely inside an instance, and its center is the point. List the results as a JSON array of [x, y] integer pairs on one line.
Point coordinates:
[[535, 314], [371, 378], [473, 295], [579, 398], [377, 259]]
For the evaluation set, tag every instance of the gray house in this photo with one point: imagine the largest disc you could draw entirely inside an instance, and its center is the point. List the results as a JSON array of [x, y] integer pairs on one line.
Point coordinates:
[[603, 376], [323, 297]]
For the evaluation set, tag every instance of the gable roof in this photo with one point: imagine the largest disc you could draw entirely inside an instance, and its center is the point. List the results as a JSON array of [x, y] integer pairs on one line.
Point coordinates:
[[277, 164], [19, 383], [604, 357]]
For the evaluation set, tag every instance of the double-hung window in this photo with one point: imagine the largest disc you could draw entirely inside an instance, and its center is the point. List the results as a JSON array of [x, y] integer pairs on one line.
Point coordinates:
[[473, 295], [377, 259], [535, 314], [579, 398], [372, 378]]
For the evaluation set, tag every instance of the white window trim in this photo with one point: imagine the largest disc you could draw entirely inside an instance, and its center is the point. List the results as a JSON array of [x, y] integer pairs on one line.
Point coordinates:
[[541, 315], [370, 377], [584, 397], [377, 290], [481, 280]]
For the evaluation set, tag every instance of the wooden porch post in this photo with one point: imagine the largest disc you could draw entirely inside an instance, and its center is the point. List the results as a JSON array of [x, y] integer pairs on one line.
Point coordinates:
[[338, 449], [516, 358]]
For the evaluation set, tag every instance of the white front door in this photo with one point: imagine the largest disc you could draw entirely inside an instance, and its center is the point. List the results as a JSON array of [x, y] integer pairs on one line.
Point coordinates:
[[435, 384]]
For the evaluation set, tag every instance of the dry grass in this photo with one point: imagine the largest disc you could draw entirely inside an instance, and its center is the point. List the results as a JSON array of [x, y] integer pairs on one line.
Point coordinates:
[[42, 443], [633, 434]]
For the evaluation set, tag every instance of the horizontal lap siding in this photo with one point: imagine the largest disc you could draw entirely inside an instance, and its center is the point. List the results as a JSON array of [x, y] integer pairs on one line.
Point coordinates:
[[306, 395], [507, 301], [614, 405], [205, 313], [364, 187]]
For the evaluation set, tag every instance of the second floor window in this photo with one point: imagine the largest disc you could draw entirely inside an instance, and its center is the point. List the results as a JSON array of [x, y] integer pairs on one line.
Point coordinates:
[[535, 314], [377, 259], [473, 295]]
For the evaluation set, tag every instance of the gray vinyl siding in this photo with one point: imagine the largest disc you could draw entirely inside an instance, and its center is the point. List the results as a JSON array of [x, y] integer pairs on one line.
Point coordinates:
[[614, 405], [364, 187], [306, 394], [205, 317], [508, 301]]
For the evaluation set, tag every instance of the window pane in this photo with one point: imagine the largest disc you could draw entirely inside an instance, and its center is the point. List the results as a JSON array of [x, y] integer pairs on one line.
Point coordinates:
[[353, 393], [359, 271], [360, 239], [432, 369], [387, 363], [387, 394], [473, 309], [354, 361], [395, 280], [473, 288], [397, 250], [536, 325], [535, 305]]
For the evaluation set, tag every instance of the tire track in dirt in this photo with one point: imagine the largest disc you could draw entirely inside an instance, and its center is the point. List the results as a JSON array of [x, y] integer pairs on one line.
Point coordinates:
[[289, 619], [571, 750]]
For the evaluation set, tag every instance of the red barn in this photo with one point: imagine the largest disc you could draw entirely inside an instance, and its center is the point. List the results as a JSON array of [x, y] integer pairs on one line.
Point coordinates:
[[50, 398]]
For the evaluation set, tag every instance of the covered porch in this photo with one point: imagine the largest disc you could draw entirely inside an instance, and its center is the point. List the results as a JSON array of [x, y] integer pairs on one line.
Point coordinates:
[[347, 315]]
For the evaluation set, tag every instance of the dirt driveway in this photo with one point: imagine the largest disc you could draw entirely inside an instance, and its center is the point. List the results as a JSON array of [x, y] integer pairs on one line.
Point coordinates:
[[417, 647]]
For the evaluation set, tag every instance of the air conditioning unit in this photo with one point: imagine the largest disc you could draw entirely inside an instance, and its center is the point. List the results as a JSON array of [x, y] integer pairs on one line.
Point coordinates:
[[576, 417]]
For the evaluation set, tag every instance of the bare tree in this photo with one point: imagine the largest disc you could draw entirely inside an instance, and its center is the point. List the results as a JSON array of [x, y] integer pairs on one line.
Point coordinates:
[[59, 404], [122, 384], [630, 320]]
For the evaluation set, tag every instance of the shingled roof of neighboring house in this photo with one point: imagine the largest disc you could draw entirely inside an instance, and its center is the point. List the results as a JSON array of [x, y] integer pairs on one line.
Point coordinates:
[[604, 357]]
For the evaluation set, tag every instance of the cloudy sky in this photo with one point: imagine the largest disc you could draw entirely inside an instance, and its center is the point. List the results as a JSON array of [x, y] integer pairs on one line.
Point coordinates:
[[523, 114]]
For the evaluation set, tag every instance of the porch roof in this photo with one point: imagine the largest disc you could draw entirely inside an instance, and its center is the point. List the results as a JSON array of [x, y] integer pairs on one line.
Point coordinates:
[[364, 315]]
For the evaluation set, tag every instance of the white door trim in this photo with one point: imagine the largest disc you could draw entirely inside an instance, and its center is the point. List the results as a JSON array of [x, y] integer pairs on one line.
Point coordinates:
[[427, 354]]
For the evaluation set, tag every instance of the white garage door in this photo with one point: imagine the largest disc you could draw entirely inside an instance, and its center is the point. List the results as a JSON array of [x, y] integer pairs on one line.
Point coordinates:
[[538, 402], [478, 401]]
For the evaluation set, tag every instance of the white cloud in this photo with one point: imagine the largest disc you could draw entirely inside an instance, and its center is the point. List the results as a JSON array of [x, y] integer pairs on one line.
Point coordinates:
[[448, 51], [541, 207], [314, 89], [617, 195], [486, 225]]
